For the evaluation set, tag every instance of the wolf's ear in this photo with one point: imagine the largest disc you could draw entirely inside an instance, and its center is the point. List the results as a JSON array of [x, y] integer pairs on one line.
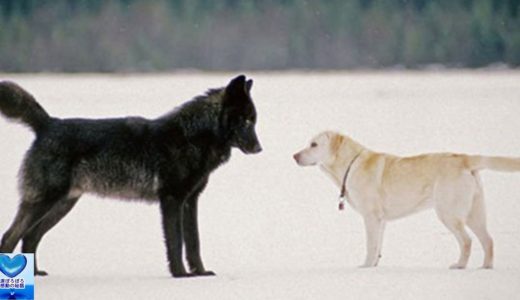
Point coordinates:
[[236, 87], [249, 85]]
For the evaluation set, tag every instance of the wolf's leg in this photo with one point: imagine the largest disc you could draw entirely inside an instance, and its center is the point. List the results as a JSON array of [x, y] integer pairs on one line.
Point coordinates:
[[191, 232], [374, 227], [33, 237], [28, 215], [171, 210], [45, 181]]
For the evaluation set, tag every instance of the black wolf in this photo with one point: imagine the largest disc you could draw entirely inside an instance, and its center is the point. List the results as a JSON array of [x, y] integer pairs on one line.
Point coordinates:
[[168, 159]]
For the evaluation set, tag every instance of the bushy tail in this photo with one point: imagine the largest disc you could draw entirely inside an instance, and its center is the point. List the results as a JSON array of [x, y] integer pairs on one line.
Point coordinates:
[[17, 104], [503, 164]]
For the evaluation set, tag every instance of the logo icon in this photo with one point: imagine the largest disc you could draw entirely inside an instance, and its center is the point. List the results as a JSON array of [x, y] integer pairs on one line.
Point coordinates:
[[12, 266], [16, 276]]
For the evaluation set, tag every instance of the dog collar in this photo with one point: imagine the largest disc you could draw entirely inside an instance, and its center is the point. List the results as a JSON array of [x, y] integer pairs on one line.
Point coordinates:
[[344, 193]]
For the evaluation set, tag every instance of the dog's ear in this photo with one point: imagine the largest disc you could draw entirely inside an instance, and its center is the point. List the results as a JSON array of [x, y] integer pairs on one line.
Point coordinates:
[[336, 141]]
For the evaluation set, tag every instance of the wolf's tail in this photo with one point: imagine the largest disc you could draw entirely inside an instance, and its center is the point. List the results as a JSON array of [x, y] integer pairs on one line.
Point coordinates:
[[17, 104], [496, 163]]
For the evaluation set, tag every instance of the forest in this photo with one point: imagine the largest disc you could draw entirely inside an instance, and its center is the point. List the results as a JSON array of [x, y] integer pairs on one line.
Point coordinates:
[[165, 35]]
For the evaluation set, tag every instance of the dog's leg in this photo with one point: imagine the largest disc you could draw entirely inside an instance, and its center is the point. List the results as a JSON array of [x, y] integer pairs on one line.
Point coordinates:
[[374, 227], [486, 241], [171, 210], [456, 226], [477, 223], [34, 235], [28, 215], [380, 241], [191, 233]]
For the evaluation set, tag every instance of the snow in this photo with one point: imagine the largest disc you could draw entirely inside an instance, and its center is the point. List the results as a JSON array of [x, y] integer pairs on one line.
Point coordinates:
[[271, 229]]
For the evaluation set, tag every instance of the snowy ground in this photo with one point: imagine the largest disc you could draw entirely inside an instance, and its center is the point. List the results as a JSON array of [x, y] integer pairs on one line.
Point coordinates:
[[270, 229]]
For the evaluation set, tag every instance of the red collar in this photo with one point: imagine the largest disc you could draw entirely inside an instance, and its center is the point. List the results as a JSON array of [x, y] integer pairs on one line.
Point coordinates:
[[344, 193]]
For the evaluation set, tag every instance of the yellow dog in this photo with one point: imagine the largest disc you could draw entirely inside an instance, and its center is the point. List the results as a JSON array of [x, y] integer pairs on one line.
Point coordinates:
[[383, 187]]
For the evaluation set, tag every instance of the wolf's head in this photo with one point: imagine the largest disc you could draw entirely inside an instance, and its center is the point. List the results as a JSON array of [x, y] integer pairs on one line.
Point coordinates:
[[239, 115]]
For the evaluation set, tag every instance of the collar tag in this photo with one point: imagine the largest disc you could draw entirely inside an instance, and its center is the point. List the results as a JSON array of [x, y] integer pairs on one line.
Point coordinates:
[[341, 205]]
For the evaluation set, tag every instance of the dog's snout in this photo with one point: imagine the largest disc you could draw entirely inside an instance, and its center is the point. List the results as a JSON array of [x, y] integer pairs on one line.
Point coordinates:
[[297, 157]]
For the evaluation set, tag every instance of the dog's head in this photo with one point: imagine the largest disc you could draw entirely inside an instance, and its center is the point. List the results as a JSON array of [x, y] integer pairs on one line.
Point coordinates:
[[325, 148], [239, 115], [317, 152]]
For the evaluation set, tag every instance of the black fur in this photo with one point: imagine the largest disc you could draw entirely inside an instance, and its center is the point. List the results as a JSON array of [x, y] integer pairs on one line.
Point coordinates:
[[168, 159]]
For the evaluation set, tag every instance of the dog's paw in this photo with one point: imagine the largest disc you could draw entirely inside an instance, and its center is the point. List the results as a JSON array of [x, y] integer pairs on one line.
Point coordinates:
[[366, 266], [457, 266]]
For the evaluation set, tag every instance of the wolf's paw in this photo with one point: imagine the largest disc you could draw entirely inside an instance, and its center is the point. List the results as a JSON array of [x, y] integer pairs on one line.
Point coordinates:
[[204, 273], [40, 273], [182, 275]]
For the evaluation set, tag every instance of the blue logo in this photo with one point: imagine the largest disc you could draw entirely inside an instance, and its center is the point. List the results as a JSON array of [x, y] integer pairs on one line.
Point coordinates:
[[12, 266], [16, 276]]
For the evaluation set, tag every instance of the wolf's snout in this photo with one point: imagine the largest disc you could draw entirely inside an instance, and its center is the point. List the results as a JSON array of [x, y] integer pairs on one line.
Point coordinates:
[[251, 149], [257, 149]]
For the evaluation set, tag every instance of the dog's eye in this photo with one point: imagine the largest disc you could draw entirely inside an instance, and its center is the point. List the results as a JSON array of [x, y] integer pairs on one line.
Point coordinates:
[[249, 123], [313, 144]]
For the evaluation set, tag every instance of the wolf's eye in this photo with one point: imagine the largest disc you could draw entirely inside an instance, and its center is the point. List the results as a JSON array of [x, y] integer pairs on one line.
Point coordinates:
[[313, 144], [249, 123]]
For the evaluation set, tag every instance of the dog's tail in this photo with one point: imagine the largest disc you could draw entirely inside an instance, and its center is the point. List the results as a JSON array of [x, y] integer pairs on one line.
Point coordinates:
[[495, 163], [17, 104]]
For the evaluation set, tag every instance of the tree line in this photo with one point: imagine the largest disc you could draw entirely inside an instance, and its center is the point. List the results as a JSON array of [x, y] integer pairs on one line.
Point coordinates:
[[162, 35]]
